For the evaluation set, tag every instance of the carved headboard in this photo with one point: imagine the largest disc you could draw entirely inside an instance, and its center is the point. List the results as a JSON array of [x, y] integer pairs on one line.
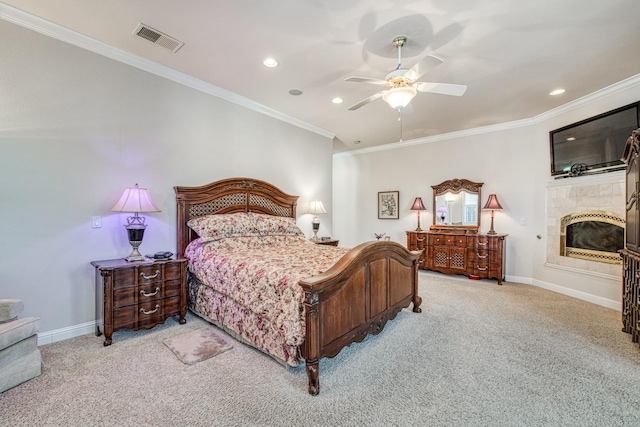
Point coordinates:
[[228, 196]]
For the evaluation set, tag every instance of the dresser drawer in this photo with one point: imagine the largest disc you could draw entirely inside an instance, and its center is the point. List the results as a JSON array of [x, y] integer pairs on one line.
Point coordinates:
[[460, 241], [146, 314], [149, 274], [479, 255], [486, 242], [416, 240], [138, 294]]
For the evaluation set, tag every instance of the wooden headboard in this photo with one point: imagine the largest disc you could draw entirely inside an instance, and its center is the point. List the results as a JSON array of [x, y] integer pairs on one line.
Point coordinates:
[[229, 196]]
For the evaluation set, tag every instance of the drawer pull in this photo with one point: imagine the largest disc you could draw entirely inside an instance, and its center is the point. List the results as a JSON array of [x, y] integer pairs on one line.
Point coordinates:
[[483, 269], [144, 294], [482, 256], [420, 239], [483, 244], [150, 277], [143, 311]]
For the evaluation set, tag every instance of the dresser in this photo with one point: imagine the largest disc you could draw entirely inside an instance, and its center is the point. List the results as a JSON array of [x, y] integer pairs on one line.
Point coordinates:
[[631, 252], [477, 255], [138, 295]]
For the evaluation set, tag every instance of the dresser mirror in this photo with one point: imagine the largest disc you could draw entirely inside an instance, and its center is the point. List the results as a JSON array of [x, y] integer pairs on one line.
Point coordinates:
[[456, 205]]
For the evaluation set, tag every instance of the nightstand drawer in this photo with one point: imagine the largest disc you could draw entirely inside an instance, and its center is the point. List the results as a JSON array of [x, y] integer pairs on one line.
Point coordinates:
[[150, 274], [137, 294]]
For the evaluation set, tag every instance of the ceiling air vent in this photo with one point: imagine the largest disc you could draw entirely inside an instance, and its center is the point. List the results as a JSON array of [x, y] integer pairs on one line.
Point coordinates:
[[156, 37]]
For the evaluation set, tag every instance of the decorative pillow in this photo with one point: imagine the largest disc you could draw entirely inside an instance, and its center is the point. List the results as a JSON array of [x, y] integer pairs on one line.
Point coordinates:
[[220, 226], [269, 225], [216, 227], [10, 309]]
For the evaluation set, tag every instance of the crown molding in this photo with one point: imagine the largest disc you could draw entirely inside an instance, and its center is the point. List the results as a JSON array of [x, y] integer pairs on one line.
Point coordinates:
[[441, 137], [613, 89], [42, 26]]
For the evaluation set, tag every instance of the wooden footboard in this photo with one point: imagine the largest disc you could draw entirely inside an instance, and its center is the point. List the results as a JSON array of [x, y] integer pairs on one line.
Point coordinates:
[[356, 297]]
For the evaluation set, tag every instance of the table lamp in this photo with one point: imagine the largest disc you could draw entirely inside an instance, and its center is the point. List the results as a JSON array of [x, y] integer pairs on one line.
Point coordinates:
[[136, 200], [492, 205], [418, 206], [316, 208]]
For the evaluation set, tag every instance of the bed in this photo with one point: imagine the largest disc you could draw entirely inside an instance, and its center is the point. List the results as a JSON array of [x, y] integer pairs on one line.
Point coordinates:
[[254, 274]]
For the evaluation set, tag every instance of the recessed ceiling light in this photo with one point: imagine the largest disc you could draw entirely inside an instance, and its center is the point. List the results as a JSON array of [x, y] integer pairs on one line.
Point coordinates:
[[571, 138], [270, 62], [295, 92], [556, 92], [337, 100]]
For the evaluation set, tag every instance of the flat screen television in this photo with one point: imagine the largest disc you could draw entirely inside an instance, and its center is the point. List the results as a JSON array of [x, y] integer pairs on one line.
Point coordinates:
[[593, 145]]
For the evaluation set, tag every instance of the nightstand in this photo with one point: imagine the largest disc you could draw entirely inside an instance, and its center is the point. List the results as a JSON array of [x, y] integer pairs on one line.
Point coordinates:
[[328, 242], [139, 295]]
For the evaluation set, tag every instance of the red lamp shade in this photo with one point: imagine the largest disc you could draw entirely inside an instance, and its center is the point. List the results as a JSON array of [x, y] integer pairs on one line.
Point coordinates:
[[492, 205], [418, 205]]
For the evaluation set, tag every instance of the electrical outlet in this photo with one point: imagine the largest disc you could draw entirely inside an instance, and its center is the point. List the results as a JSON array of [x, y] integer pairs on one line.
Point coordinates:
[[96, 222]]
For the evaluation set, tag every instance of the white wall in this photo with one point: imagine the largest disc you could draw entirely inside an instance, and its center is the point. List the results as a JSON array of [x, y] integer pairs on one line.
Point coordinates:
[[77, 128], [511, 160]]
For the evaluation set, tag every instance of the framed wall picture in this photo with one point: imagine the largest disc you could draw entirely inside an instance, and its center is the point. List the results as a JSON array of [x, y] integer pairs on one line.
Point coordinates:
[[388, 202]]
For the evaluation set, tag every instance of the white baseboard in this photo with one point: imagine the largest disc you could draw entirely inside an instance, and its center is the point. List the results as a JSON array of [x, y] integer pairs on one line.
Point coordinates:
[[605, 302], [90, 327], [66, 333]]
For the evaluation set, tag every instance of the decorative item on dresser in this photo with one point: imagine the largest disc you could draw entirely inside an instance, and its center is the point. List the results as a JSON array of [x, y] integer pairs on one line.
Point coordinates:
[[631, 252], [418, 206], [139, 295], [492, 205], [456, 247]]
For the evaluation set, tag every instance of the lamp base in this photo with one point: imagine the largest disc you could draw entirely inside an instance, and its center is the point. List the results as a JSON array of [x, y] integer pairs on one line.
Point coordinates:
[[491, 230], [315, 226], [135, 255]]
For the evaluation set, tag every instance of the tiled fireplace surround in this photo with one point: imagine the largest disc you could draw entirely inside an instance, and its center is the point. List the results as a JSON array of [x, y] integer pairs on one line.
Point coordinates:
[[572, 195]]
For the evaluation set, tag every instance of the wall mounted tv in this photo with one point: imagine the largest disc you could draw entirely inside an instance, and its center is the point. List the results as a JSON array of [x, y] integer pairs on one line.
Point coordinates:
[[593, 145]]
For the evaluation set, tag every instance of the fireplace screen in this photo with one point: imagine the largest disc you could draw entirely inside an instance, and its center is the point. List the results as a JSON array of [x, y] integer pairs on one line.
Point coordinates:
[[592, 235]]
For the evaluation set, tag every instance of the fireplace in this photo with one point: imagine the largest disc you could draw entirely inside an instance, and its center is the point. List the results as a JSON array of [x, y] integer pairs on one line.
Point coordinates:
[[593, 235], [593, 209]]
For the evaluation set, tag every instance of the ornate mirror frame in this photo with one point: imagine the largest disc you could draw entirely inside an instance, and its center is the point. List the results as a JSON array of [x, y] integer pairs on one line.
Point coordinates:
[[455, 187]]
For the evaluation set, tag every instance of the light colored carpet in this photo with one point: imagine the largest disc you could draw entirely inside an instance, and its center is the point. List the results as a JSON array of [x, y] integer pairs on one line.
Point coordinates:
[[478, 355], [201, 344]]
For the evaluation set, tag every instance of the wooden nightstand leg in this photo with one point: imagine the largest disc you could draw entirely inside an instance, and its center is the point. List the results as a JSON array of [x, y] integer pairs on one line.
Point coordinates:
[[108, 333]]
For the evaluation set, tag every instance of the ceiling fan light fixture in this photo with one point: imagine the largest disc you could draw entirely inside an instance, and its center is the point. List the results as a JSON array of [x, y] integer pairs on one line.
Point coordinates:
[[399, 97]]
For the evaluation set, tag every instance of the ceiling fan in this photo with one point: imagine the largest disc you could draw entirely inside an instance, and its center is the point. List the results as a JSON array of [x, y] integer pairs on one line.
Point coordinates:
[[402, 85]]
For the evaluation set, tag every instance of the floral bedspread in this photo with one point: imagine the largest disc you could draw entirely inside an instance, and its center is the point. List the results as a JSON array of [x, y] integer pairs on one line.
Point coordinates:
[[261, 274]]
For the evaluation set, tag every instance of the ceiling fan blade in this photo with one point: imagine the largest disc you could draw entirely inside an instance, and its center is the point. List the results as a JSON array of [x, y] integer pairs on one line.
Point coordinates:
[[426, 64], [442, 88], [367, 100], [365, 80]]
